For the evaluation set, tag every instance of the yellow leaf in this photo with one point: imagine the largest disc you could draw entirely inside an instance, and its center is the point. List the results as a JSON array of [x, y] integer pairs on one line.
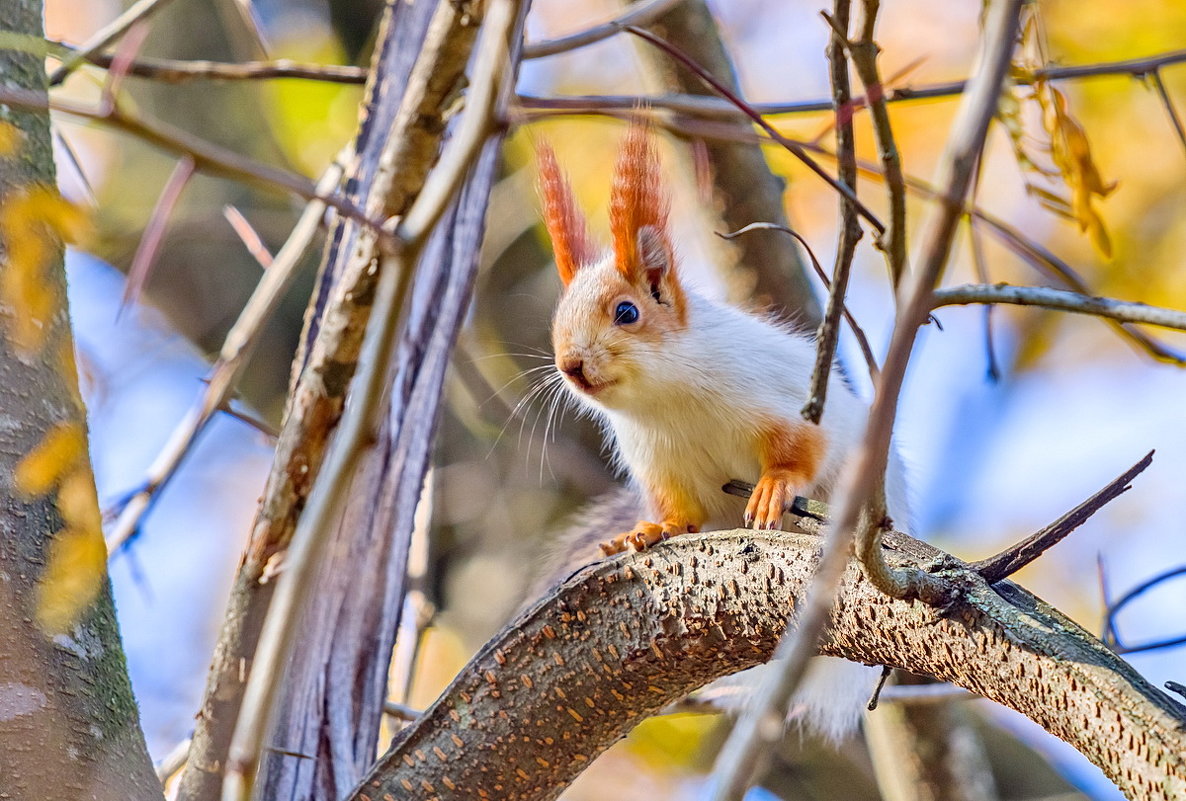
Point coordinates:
[[72, 579], [31, 223], [10, 139], [61, 450], [78, 504]]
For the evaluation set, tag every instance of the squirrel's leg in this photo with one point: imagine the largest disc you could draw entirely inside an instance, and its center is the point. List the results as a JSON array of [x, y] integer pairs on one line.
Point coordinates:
[[790, 455], [680, 512]]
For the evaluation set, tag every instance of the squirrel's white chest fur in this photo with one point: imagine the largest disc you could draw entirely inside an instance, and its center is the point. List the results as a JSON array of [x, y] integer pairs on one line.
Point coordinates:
[[691, 408]]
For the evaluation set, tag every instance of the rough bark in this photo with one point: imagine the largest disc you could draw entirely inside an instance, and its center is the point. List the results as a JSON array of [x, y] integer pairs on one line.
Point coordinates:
[[68, 721], [624, 637], [334, 695], [333, 700], [763, 267]]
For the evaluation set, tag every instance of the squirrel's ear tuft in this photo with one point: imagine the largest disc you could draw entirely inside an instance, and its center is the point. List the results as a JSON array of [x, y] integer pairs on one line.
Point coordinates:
[[637, 201], [565, 223]]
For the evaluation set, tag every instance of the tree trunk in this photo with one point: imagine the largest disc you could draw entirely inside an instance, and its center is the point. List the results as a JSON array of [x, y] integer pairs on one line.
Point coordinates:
[[68, 722]]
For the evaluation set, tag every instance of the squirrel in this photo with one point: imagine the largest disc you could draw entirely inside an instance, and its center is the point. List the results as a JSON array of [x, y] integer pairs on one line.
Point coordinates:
[[693, 392]]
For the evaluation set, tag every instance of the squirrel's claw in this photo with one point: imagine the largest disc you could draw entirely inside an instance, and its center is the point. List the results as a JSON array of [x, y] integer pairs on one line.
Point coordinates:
[[644, 535], [766, 504]]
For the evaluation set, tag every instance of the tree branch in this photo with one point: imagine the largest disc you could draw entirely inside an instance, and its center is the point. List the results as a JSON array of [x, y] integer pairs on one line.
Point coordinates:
[[716, 108], [1060, 300], [643, 13], [398, 142], [1023, 553], [827, 335], [626, 636]]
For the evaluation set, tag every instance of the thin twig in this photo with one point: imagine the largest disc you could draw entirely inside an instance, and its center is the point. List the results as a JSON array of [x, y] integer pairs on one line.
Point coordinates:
[[1116, 606], [1060, 300], [796, 149], [167, 70], [124, 55], [233, 357], [208, 157], [401, 711], [925, 694], [864, 53], [154, 232], [1170, 109], [248, 236], [980, 266], [361, 417], [103, 37], [643, 13], [713, 108], [747, 743], [1015, 557], [857, 331], [828, 333]]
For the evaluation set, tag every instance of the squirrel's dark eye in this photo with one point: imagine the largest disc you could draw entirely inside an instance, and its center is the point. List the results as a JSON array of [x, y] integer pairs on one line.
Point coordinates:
[[626, 313]]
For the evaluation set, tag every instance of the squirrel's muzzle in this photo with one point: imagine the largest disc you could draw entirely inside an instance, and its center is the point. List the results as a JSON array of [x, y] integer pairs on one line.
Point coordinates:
[[575, 369]]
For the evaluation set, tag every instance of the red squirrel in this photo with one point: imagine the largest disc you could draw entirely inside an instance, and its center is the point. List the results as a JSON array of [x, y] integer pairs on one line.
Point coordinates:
[[693, 392]]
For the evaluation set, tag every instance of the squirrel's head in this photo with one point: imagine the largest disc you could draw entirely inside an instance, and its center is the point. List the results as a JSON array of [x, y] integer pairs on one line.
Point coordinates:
[[620, 307]]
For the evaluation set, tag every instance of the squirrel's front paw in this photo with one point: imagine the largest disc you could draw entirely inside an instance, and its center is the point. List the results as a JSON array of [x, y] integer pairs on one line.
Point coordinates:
[[644, 535], [771, 496]]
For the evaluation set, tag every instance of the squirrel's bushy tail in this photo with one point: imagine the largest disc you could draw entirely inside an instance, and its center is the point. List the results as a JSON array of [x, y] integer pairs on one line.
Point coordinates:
[[829, 702]]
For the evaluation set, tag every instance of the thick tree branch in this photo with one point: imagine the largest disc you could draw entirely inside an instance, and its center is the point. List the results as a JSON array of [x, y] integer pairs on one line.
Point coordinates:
[[420, 66], [626, 636]]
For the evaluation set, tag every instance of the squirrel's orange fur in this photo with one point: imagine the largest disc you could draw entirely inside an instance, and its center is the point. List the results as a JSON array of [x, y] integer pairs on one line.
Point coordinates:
[[566, 226]]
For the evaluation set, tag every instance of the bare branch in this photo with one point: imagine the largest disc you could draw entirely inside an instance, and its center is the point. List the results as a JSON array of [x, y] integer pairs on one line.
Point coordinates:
[[791, 146], [232, 358], [1060, 300], [138, 12], [1170, 110], [864, 53], [154, 232], [167, 70], [827, 335], [448, 34], [1116, 606], [1017, 556], [208, 157], [715, 108], [626, 636], [640, 14]]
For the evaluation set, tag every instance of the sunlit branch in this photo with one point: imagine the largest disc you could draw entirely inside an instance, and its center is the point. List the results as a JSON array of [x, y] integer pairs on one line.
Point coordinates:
[[1061, 300]]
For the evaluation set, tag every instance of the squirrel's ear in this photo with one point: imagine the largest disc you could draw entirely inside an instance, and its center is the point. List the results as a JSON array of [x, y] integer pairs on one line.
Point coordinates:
[[638, 210], [654, 255], [565, 223]]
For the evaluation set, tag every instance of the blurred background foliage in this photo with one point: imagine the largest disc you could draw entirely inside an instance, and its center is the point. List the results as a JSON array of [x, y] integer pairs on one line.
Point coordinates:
[[990, 460]]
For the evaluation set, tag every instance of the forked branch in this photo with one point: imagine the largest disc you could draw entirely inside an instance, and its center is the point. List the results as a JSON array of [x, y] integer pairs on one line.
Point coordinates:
[[623, 638]]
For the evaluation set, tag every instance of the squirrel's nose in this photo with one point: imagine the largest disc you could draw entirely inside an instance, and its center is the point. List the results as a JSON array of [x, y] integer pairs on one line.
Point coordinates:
[[574, 369]]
